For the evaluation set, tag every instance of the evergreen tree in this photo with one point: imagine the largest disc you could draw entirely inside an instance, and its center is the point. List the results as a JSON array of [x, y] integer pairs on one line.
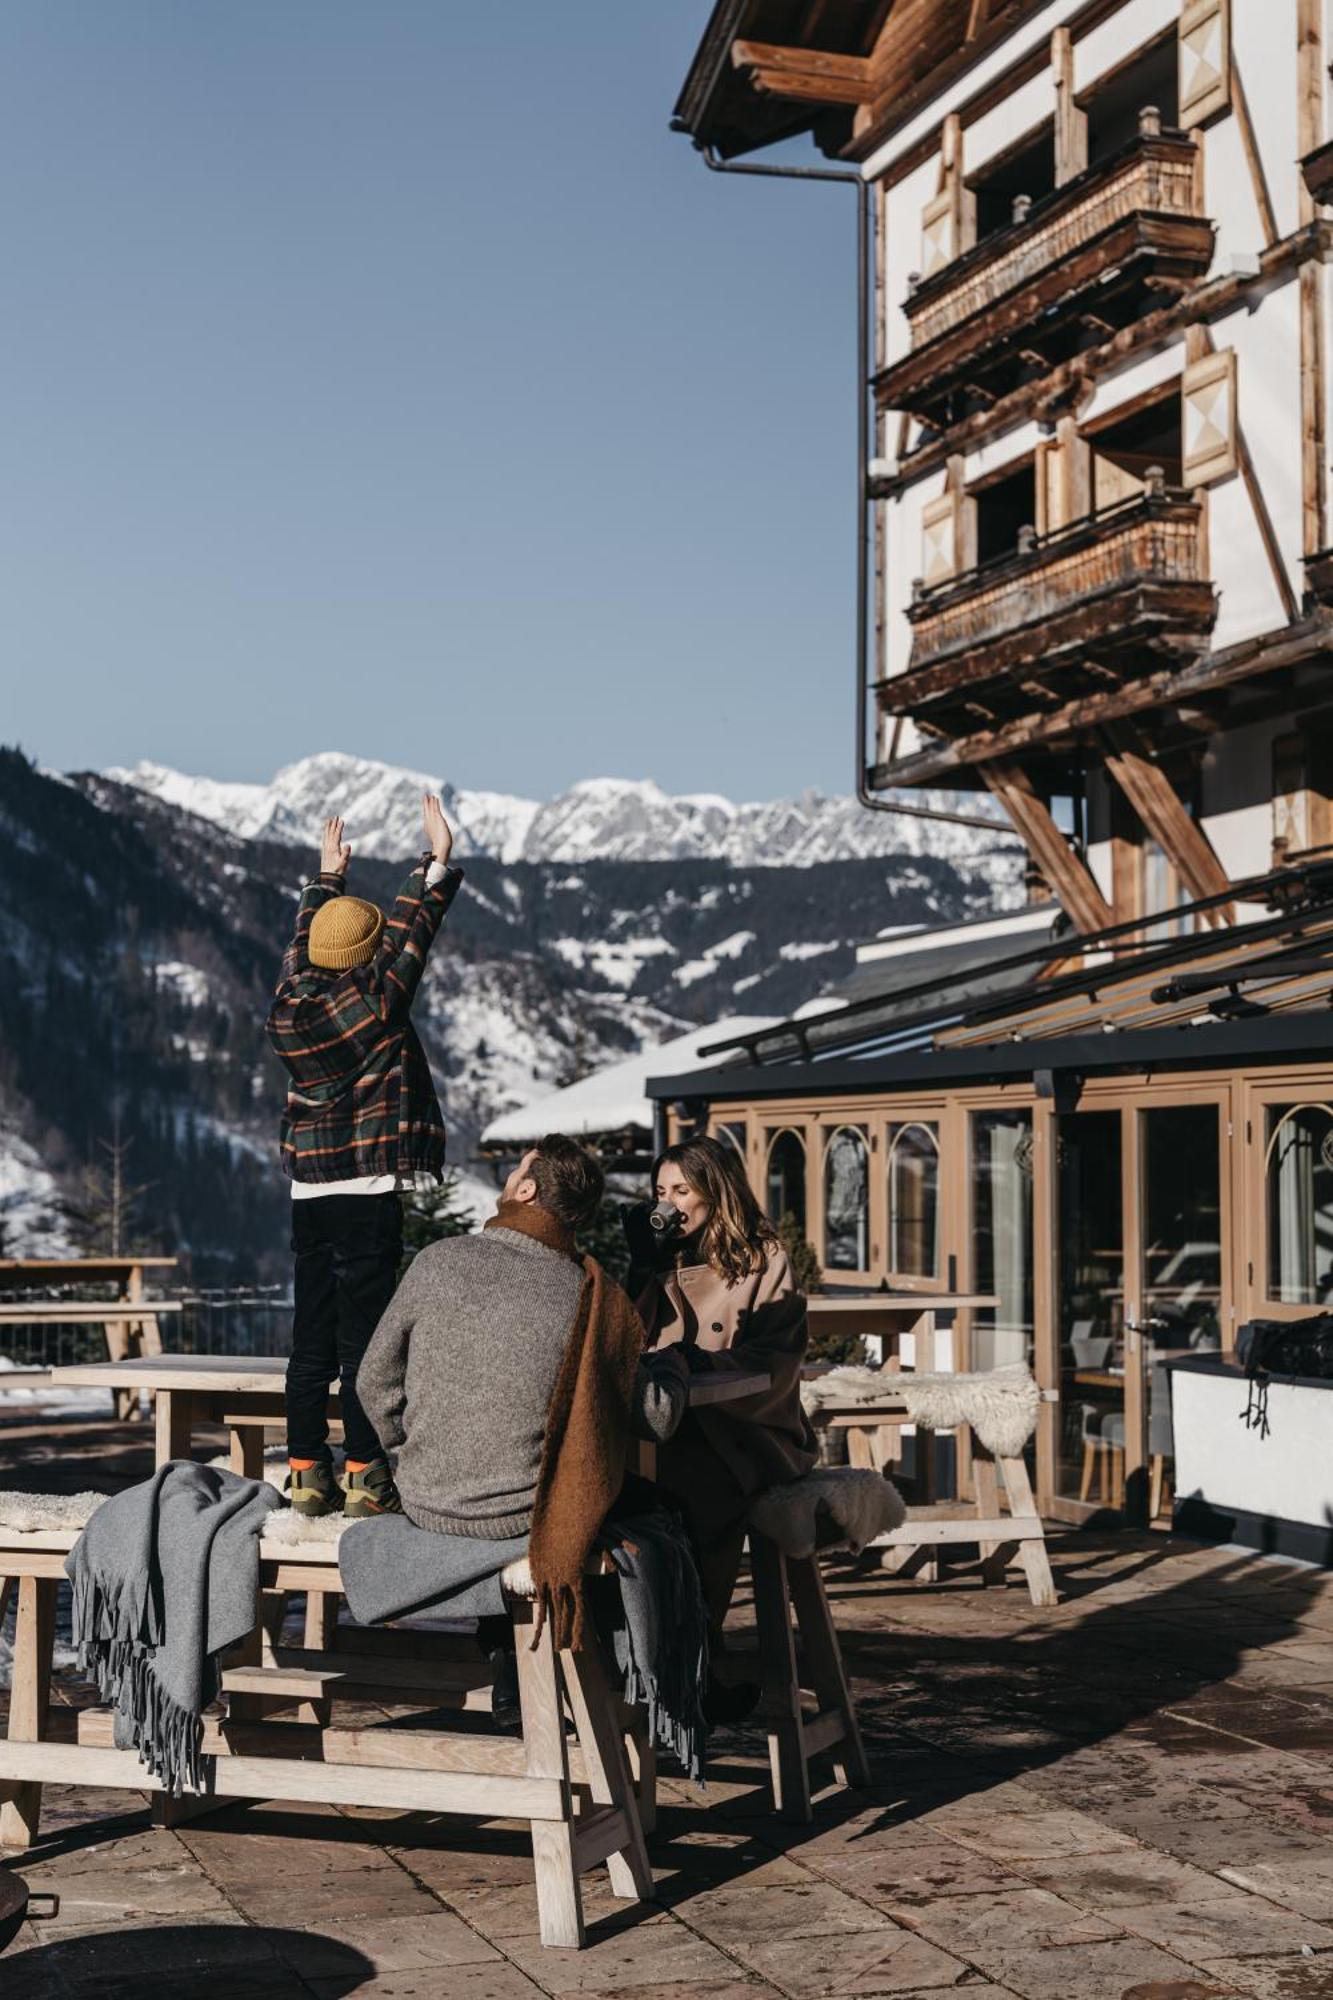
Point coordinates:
[[429, 1217]]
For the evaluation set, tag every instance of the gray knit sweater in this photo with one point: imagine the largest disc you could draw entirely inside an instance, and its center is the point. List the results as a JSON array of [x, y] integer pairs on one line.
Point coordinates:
[[459, 1374]]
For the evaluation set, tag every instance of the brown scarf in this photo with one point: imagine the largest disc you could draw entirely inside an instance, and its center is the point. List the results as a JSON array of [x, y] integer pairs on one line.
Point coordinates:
[[587, 1428]]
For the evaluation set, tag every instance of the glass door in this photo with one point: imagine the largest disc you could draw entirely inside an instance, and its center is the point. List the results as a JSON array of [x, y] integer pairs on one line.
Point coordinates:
[[1090, 1306], [1176, 1306]]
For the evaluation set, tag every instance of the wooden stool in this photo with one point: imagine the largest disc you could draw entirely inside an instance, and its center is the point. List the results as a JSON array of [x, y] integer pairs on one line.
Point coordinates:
[[579, 1797], [782, 1584]]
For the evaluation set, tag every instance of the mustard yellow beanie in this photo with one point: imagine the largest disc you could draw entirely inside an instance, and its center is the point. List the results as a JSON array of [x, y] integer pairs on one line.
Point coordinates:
[[344, 933]]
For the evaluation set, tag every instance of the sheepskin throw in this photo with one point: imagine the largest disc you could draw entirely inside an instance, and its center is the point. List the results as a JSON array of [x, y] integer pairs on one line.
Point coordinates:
[[33, 1513], [832, 1507], [1001, 1405]]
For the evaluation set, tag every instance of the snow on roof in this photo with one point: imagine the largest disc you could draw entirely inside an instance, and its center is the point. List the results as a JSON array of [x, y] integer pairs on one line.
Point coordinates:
[[614, 1097]]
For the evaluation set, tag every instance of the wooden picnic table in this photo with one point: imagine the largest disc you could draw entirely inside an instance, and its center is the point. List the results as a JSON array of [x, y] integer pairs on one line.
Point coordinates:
[[891, 1317], [127, 1272]]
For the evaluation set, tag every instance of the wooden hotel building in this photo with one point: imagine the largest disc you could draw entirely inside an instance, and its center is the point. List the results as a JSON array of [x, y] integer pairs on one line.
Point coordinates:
[[1100, 591]]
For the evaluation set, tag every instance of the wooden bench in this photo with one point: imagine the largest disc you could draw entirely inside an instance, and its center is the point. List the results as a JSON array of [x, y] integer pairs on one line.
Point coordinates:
[[1018, 1537], [784, 1584], [579, 1797]]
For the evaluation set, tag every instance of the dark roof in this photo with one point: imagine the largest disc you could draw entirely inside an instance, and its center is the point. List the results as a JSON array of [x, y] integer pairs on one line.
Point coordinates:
[[1119, 998]]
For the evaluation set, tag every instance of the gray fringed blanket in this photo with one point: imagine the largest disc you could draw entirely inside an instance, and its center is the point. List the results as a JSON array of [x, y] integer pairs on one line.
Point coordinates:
[[393, 1569], [661, 1641], [166, 1577]]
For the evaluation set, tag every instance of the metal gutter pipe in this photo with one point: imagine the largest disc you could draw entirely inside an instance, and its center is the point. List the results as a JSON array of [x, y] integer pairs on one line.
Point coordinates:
[[864, 795]]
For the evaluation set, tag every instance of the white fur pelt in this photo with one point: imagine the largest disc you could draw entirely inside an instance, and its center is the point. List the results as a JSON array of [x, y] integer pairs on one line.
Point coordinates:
[[858, 1503], [31, 1513], [286, 1525], [1001, 1405]]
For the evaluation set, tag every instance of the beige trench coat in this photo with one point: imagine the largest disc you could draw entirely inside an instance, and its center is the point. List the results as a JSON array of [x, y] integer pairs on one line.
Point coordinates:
[[757, 1325]]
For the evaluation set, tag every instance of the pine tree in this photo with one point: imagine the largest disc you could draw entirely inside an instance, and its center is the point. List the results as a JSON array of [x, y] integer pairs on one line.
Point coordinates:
[[429, 1217]]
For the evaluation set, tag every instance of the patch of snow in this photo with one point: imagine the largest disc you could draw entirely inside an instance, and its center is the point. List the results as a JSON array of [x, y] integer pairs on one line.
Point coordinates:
[[188, 982], [809, 949], [614, 1097], [30, 1219]]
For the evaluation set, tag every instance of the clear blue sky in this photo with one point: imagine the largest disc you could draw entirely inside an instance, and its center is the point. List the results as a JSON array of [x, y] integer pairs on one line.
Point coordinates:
[[383, 375]]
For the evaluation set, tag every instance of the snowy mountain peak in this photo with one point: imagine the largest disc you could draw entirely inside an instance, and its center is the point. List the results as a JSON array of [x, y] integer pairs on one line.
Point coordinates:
[[597, 819]]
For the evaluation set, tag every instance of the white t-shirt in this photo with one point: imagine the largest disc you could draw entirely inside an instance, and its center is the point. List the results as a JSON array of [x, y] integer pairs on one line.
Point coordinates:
[[421, 1183]]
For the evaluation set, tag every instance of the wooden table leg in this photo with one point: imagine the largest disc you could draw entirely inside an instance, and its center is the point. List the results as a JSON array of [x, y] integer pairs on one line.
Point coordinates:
[[781, 1709], [819, 1642], [985, 1479], [174, 1421], [29, 1701], [599, 1733], [1036, 1563], [559, 1899]]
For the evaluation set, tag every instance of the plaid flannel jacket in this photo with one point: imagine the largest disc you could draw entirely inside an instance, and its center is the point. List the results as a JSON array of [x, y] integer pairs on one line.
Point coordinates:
[[359, 1097]]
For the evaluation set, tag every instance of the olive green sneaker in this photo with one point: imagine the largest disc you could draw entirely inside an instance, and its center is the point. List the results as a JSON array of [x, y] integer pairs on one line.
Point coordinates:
[[371, 1491], [313, 1490]]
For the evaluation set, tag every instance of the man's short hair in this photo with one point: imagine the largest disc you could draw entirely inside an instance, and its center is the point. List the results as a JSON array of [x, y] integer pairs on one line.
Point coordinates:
[[568, 1178]]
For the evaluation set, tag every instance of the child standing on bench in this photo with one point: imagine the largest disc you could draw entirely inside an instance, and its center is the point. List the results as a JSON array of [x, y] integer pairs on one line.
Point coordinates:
[[362, 1124]]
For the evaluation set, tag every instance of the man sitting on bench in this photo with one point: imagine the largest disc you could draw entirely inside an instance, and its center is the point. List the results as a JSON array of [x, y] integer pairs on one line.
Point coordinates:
[[502, 1374]]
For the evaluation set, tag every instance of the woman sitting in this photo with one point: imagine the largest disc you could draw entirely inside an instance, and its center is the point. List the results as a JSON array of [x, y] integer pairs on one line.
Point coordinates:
[[717, 1294]]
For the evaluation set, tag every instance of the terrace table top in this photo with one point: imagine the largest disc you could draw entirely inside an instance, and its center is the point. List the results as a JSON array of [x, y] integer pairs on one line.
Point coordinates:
[[867, 1304], [262, 1374]]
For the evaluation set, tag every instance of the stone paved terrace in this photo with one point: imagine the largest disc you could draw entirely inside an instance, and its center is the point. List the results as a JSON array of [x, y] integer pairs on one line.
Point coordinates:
[[1129, 1796]]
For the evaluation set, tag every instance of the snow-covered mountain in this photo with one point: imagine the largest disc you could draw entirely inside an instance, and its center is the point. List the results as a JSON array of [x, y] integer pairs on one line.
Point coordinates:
[[600, 819]]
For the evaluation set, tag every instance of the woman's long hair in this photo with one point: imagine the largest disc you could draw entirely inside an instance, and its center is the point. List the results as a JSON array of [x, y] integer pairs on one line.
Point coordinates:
[[736, 1236]]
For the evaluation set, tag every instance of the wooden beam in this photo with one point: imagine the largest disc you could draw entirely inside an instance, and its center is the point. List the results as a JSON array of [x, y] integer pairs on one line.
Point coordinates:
[[1154, 799], [1240, 104], [811, 76], [1071, 121], [1267, 531], [1066, 874]]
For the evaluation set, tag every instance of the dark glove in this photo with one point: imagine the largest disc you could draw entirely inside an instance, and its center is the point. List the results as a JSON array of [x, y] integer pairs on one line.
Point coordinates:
[[648, 1252]]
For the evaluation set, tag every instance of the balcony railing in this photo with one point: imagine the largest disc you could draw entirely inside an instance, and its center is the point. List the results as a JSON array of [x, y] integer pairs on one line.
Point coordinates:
[[1056, 618], [1087, 249]]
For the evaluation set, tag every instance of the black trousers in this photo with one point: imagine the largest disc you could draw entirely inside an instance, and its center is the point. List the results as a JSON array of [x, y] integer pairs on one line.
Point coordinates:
[[348, 1248]]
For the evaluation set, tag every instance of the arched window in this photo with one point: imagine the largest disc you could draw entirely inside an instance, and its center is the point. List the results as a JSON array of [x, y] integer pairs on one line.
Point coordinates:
[[785, 1178], [847, 1200], [734, 1131], [914, 1200], [1298, 1187]]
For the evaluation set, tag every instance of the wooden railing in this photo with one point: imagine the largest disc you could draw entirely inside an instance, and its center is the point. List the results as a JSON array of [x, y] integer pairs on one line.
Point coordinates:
[[1153, 538], [1155, 174]]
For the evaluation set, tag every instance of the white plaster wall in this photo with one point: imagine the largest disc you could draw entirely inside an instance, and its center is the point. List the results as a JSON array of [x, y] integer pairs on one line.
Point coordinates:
[[1288, 1474], [902, 562], [995, 453], [1268, 397], [1263, 45], [1229, 197], [1131, 28], [1015, 117], [1135, 378], [902, 249]]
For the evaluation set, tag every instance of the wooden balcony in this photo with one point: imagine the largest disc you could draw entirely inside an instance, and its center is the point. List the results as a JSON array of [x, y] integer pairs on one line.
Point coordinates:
[[1071, 615], [1122, 237]]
